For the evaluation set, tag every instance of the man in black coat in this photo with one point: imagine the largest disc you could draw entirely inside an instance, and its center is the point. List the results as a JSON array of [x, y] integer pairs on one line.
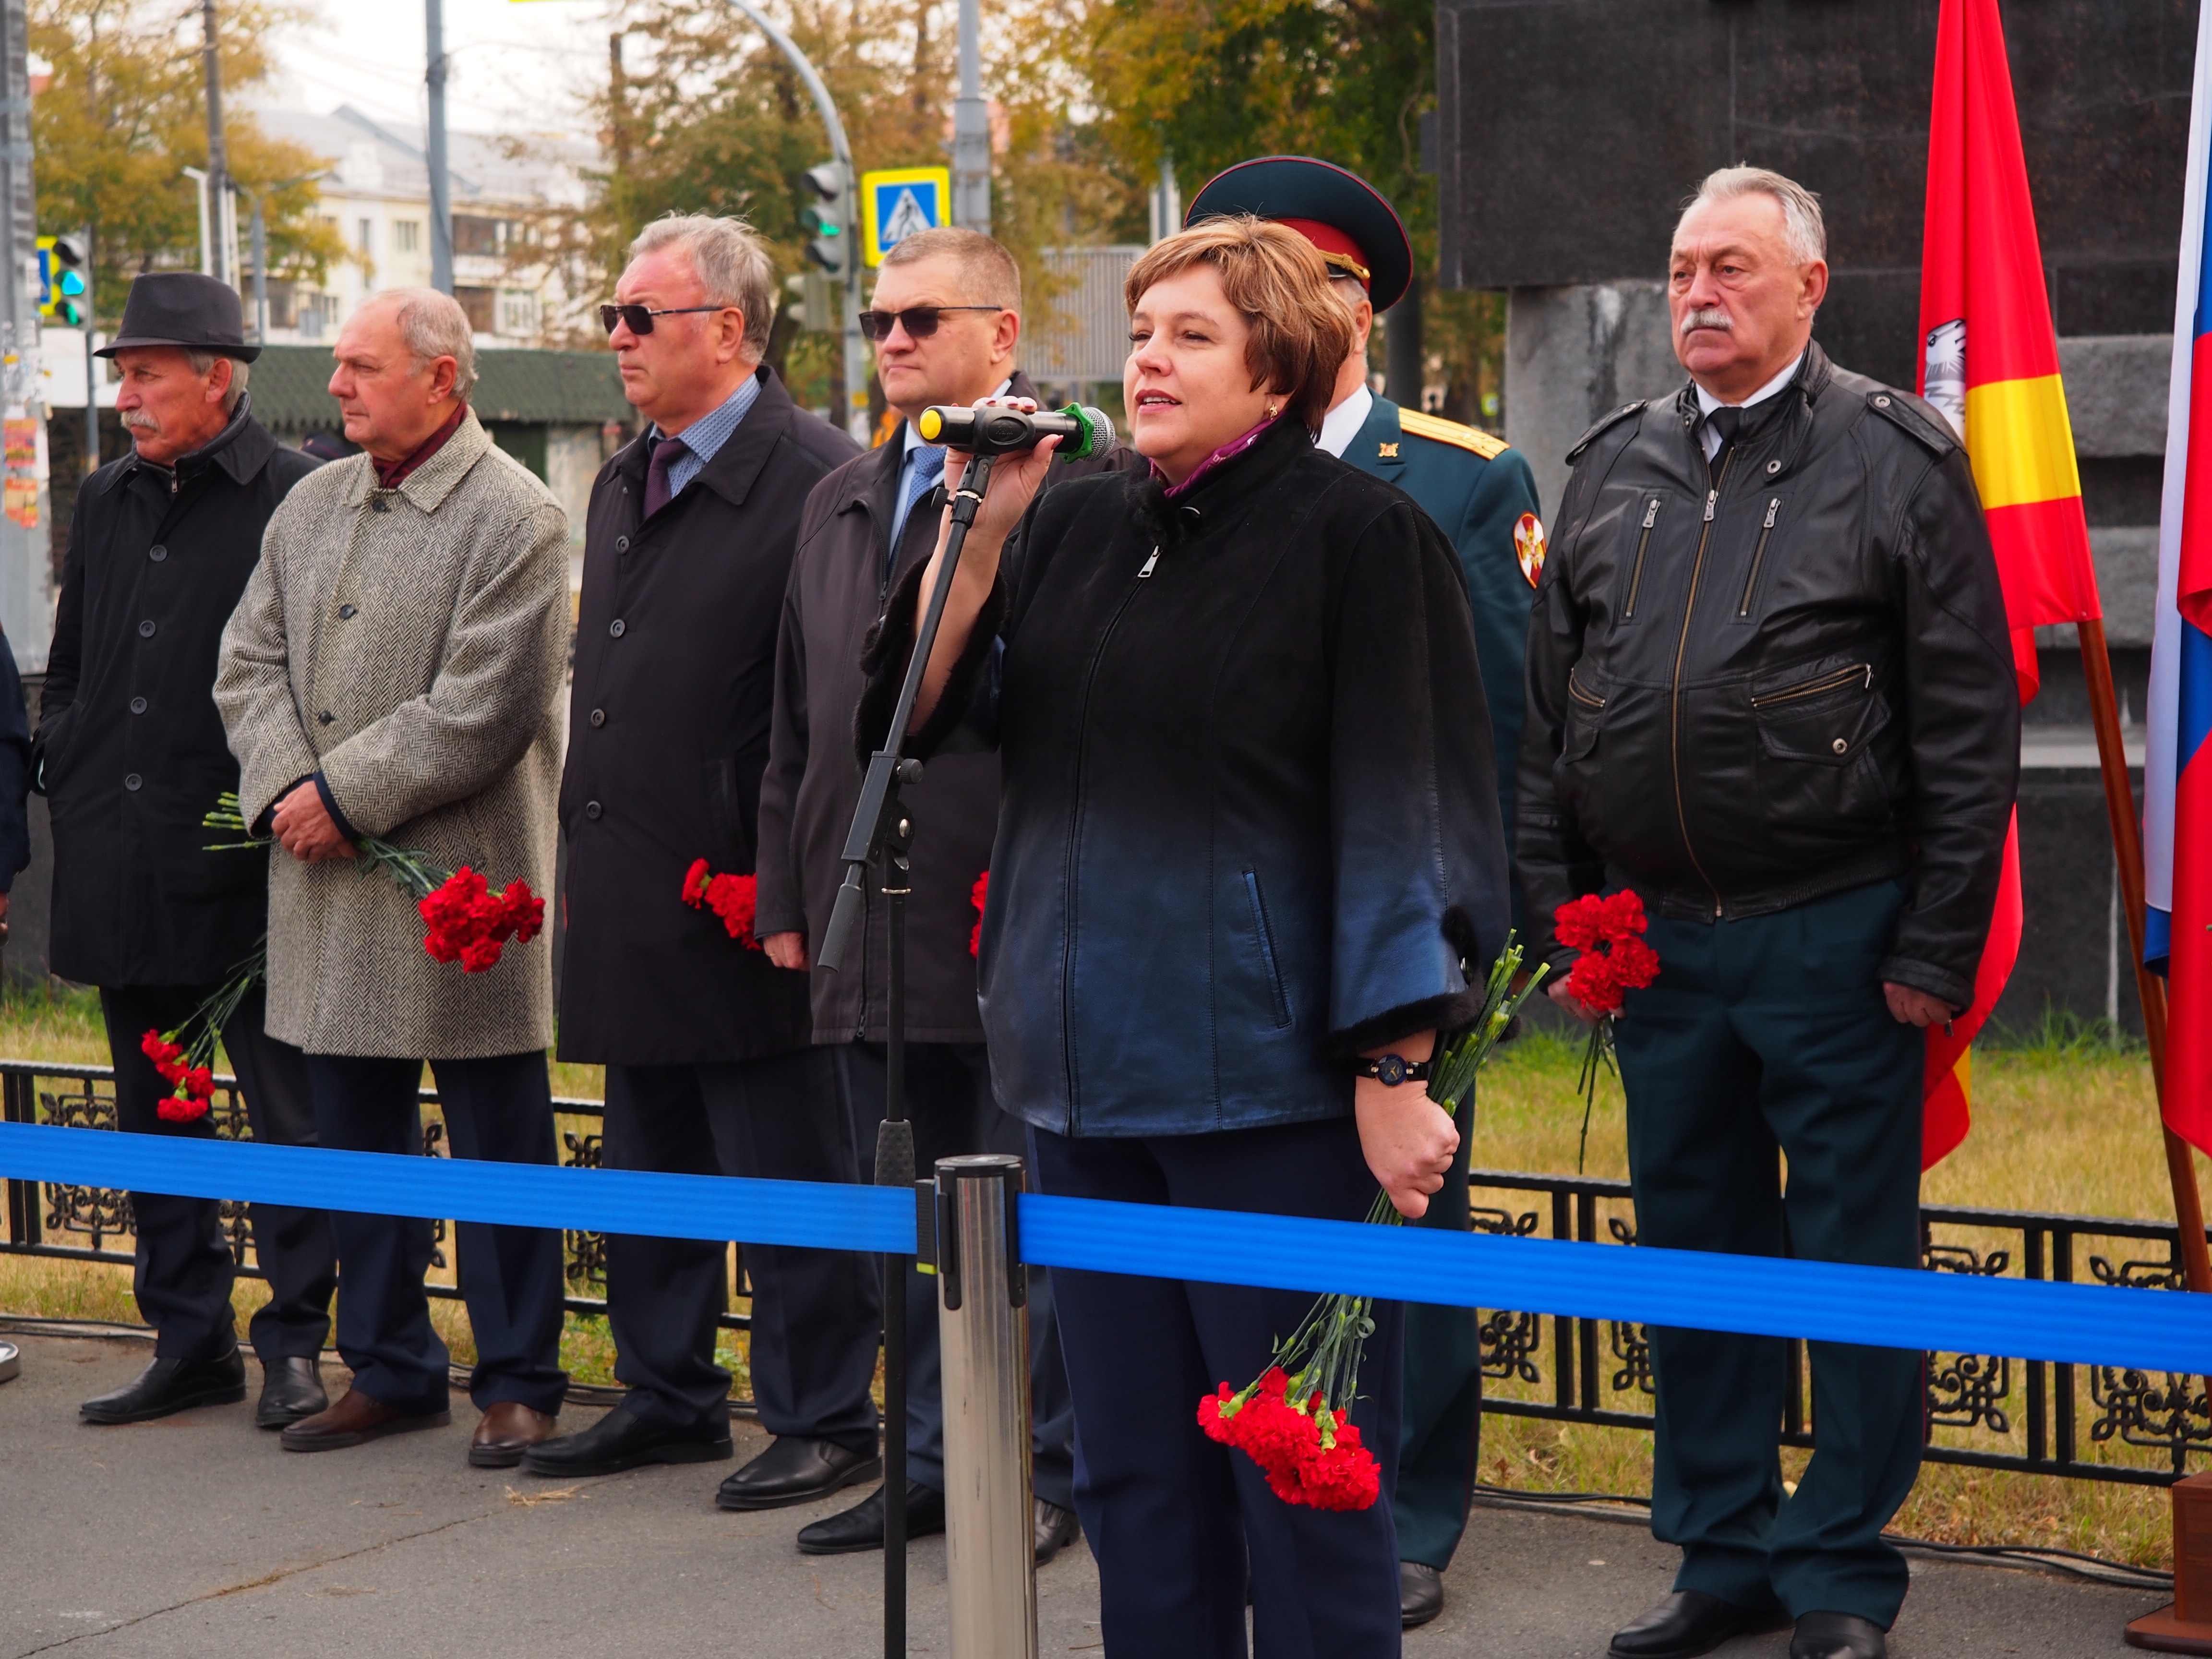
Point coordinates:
[[710, 1068], [131, 755], [945, 320]]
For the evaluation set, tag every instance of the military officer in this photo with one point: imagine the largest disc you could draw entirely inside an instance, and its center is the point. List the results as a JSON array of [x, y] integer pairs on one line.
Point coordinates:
[[1484, 497]]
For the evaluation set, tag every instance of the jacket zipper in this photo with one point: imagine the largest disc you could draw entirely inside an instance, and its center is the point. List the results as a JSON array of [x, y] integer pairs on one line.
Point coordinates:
[[1149, 563], [1842, 677], [1759, 553], [1674, 705], [1636, 575], [1575, 690], [1067, 875]]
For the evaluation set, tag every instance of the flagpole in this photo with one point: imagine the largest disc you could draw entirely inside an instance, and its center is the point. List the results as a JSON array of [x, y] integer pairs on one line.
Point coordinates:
[[2127, 850]]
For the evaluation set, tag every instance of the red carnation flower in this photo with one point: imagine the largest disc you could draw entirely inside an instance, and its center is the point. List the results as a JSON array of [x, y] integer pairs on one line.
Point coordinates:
[[976, 895], [734, 899]]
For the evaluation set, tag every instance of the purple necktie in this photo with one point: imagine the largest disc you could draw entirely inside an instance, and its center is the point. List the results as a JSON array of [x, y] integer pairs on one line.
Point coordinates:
[[665, 455]]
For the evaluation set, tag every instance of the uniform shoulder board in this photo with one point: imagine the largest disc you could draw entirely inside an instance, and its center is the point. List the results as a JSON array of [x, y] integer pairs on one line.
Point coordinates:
[[1450, 431], [1599, 426], [1923, 420]]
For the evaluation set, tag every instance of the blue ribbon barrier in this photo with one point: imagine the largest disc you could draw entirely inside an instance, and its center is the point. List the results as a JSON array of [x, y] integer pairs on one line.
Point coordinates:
[[1759, 1296]]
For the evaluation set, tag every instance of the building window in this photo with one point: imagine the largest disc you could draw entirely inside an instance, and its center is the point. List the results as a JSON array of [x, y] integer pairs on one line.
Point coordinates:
[[481, 306], [406, 235], [314, 313], [476, 235], [518, 314], [365, 238]]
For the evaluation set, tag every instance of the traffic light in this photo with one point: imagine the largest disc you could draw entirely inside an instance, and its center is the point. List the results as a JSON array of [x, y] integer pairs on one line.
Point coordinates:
[[61, 280], [828, 234]]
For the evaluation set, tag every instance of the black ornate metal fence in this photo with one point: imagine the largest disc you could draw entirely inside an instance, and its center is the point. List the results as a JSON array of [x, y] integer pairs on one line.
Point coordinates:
[[2089, 1422], [83, 1223]]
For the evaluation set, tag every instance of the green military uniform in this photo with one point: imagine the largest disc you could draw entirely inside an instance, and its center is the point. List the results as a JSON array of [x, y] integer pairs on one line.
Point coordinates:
[[1482, 493]]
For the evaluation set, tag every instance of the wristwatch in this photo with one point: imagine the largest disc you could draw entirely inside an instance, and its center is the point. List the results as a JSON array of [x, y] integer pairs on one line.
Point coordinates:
[[1391, 1070]]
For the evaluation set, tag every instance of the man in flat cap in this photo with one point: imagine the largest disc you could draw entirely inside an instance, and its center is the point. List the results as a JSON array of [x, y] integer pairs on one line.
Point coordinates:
[[1483, 497], [131, 754]]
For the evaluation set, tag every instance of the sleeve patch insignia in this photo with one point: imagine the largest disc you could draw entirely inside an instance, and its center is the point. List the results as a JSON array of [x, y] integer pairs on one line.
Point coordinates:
[[1528, 546], [1386, 451]]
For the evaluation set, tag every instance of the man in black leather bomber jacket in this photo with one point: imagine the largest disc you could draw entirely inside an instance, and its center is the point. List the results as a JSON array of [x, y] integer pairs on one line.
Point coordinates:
[[1770, 689]]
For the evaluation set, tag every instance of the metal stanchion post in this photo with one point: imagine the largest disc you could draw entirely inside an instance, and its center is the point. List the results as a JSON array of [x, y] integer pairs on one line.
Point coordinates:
[[983, 1319]]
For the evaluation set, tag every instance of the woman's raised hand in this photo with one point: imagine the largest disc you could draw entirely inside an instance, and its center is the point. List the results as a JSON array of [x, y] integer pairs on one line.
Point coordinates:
[[1015, 481]]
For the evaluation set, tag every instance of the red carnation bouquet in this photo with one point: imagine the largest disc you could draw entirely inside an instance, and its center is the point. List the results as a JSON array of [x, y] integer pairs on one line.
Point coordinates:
[[1293, 1420], [976, 895], [733, 898], [185, 1057], [471, 924], [1609, 929]]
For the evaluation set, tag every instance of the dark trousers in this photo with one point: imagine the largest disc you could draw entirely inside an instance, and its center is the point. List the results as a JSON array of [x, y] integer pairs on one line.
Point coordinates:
[[1766, 1035], [185, 1268], [1181, 1525], [948, 1097], [1440, 1441], [497, 1111], [815, 1313]]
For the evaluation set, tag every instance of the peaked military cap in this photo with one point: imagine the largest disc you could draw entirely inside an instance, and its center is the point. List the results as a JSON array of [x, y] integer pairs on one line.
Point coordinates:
[[1339, 212]]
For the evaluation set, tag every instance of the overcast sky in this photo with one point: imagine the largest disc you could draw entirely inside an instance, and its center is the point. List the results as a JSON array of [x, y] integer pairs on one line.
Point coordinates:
[[516, 66]]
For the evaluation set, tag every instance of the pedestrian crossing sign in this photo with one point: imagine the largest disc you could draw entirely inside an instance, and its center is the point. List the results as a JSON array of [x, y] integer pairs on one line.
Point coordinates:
[[899, 201]]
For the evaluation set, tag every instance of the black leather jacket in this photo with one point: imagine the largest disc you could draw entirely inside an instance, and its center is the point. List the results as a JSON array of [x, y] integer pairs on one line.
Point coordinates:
[[1749, 690]]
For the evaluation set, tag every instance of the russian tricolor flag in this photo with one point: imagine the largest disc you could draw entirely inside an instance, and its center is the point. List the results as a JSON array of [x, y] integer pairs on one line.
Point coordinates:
[[2178, 761]]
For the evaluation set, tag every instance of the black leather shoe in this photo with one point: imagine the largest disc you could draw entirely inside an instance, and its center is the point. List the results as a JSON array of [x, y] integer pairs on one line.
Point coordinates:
[[861, 1527], [796, 1470], [171, 1385], [1056, 1529], [290, 1389], [1691, 1622], [624, 1440], [1838, 1636], [1420, 1594]]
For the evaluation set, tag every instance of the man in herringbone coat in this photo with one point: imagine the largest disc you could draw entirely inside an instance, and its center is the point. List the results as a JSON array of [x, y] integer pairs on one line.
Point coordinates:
[[392, 670]]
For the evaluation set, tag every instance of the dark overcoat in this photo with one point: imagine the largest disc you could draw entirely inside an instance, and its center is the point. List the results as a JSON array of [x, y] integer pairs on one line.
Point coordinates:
[[668, 735], [839, 581], [1248, 820], [131, 751]]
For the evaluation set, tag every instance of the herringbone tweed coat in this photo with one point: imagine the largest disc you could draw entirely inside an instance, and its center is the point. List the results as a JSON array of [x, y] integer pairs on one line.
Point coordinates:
[[409, 644]]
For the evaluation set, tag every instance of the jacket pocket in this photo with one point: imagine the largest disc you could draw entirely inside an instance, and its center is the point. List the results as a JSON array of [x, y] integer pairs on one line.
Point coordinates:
[[1821, 744], [1759, 551], [1645, 525], [725, 817], [1279, 999]]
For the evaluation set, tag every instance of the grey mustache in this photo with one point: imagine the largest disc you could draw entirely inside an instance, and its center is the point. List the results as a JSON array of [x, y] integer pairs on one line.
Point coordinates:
[[1709, 317]]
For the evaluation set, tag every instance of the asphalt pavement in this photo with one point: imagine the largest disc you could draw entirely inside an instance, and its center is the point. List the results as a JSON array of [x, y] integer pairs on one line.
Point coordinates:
[[195, 1534]]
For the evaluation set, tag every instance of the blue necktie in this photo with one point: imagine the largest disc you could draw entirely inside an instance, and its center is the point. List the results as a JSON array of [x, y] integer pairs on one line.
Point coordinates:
[[928, 461]]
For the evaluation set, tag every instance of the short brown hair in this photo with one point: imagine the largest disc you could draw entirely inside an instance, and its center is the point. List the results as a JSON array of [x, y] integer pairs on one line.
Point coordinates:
[[1301, 333], [988, 275]]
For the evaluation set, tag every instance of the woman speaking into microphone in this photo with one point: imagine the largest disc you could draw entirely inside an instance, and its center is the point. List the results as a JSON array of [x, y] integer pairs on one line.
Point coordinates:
[[1248, 843]]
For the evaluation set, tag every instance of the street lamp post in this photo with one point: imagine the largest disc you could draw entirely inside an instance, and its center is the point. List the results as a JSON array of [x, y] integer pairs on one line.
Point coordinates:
[[261, 248], [856, 357]]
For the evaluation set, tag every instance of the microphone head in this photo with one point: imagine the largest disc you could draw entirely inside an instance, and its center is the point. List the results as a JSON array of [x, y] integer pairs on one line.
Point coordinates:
[[1097, 433]]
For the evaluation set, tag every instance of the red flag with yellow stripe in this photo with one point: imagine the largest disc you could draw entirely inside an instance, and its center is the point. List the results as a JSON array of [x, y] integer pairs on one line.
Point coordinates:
[[1989, 361]]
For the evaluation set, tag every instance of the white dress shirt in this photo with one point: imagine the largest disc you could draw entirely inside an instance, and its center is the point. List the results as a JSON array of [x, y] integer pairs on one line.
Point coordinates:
[[1707, 404], [1342, 424]]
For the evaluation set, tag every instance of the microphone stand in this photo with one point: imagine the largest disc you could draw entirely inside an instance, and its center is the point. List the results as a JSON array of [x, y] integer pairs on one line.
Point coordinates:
[[883, 831]]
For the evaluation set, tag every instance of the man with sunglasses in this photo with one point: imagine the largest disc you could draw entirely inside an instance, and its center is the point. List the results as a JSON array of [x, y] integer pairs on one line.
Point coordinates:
[[945, 319], [710, 1065]]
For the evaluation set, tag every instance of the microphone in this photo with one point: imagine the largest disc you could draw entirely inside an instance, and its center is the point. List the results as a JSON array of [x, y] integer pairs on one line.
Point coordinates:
[[1083, 432]]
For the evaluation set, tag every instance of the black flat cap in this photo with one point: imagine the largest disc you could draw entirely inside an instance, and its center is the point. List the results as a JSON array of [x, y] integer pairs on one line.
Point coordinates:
[[1339, 212], [183, 309]]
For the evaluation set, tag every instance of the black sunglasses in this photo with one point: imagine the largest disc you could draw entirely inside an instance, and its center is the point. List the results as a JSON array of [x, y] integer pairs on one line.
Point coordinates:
[[640, 318], [919, 321]]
